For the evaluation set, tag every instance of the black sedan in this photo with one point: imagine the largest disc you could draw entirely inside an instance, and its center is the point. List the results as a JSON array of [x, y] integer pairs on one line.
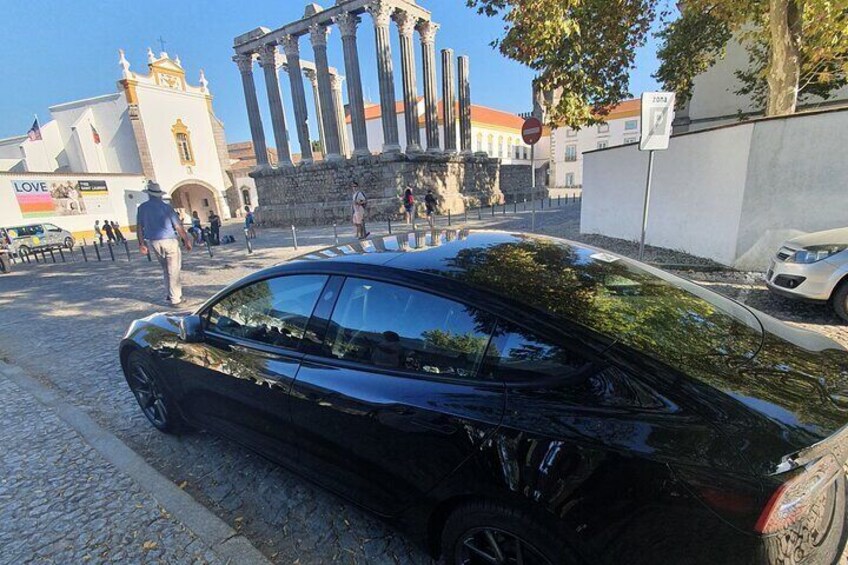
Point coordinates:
[[509, 398]]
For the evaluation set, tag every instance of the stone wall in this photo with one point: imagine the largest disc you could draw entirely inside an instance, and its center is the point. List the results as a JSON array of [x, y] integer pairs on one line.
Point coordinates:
[[320, 193], [515, 182]]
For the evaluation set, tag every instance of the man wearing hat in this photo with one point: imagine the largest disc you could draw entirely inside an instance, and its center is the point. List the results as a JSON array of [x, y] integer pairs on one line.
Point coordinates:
[[158, 228]]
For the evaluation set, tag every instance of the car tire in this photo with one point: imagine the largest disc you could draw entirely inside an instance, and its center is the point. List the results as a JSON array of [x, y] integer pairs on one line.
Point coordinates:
[[839, 301], [145, 381], [24, 250], [69, 243], [493, 528]]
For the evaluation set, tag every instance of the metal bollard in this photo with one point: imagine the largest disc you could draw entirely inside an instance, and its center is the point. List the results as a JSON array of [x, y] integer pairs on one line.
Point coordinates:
[[35, 254], [524, 204], [504, 210], [493, 209], [84, 254], [247, 241], [111, 251], [127, 249], [73, 255], [335, 234], [52, 255], [208, 247], [62, 255], [480, 212], [514, 206], [390, 226], [549, 201], [294, 236], [466, 214], [97, 251], [449, 218]]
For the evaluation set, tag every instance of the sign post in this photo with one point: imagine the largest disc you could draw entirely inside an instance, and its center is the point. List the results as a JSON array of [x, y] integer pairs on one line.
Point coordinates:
[[531, 133], [657, 116]]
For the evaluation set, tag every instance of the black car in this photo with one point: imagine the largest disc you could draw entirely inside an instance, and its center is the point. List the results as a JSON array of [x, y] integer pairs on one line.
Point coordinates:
[[511, 398]]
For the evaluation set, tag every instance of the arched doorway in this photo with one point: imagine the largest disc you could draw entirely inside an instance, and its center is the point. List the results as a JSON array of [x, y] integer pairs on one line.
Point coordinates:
[[192, 197]]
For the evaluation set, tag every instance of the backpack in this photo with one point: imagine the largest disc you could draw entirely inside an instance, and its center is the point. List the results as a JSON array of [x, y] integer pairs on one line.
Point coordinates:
[[408, 198]]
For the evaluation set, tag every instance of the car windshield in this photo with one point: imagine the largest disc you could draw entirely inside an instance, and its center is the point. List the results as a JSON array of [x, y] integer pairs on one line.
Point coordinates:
[[671, 319]]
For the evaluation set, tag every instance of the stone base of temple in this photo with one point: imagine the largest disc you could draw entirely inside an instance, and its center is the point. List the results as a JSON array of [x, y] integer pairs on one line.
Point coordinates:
[[320, 194]]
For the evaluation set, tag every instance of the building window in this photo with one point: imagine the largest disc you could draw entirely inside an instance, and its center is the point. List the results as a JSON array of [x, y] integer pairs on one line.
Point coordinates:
[[631, 125], [631, 140], [570, 152], [570, 132], [603, 144], [245, 196], [182, 137], [206, 203], [491, 150], [500, 146], [569, 179], [603, 128], [480, 142]]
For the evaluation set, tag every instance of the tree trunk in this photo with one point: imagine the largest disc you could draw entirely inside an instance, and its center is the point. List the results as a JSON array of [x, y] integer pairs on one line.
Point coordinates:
[[784, 70]]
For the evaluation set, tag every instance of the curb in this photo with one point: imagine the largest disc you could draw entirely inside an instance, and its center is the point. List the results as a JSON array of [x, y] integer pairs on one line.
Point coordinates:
[[223, 540]]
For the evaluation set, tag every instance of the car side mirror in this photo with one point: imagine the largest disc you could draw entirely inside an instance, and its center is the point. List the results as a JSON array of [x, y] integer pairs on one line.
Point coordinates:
[[191, 329]]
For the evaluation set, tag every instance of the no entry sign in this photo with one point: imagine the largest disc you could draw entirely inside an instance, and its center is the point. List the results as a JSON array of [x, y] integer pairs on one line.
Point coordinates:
[[531, 131]]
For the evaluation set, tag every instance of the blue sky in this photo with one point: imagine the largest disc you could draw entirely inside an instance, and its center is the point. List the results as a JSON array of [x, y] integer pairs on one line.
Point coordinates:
[[56, 51]]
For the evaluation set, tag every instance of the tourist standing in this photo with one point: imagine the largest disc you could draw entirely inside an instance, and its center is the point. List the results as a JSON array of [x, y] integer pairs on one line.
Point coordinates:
[[158, 227], [430, 204], [408, 204], [249, 223], [196, 228], [215, 226], [98, 233], [107, 227], [360, 205]]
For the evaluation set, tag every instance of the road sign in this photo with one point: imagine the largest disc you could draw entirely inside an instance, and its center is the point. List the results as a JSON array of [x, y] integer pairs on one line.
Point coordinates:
[[657, 115], [531, 131]]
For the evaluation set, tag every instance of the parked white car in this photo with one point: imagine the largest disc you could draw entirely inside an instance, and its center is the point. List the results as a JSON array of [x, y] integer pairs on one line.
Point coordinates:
[[813, 267]]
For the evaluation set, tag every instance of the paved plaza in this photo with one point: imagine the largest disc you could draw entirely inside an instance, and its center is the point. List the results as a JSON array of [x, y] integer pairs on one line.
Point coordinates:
[[64, 497]]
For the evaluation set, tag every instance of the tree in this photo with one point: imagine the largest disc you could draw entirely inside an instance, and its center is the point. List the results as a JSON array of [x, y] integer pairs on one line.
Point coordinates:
[[586, 48]]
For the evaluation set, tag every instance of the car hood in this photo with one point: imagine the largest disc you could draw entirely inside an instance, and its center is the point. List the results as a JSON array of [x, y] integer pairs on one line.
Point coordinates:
[[798, 380], [838, 236]]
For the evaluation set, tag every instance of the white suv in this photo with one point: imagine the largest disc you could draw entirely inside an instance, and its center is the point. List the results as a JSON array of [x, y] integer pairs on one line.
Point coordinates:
[[813, 267]]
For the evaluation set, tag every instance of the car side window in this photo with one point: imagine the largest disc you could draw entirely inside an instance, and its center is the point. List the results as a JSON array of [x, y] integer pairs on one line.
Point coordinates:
[[274, 311], [398, 328], [517, 355]]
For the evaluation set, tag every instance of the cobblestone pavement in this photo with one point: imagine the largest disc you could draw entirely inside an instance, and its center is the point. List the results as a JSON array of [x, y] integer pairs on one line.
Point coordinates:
[[61, 502], [62, 323]]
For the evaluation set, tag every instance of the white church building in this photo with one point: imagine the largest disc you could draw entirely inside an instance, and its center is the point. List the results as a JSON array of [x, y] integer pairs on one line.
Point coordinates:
[[94, 156]]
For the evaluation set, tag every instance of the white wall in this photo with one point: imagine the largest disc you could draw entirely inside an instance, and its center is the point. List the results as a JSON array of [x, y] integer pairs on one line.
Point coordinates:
[[731, 194]]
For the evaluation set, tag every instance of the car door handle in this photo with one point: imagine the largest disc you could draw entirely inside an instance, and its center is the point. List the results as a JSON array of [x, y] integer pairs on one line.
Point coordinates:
[[443, 429]]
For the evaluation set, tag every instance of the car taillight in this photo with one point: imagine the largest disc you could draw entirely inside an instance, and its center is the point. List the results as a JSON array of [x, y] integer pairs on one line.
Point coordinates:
[[794, 498]]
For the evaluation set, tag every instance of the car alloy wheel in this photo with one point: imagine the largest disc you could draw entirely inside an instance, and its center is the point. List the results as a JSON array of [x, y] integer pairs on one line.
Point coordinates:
[[149, 396], [492, 545], [69, 242]]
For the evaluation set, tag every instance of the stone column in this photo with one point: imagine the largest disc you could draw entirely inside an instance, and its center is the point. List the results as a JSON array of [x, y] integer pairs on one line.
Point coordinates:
[[291, 46], [318, 33], [406, 28], [347, 23], [427, 33], [464, 106], [268, 60], [381, 11], [338, 108], [319, 117], [448, 99], [257, 134]]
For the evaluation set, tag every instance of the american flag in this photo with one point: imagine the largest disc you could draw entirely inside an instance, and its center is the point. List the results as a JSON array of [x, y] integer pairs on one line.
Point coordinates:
[[34, 133]]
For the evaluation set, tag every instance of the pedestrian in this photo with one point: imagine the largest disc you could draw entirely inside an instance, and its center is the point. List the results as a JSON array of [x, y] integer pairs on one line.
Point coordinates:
[[117, 229], [215, 226], [360, 206], [249, 223], [430, 204], [408, 204], [196, 228], [98, 233], [158, 229], [107, 227]]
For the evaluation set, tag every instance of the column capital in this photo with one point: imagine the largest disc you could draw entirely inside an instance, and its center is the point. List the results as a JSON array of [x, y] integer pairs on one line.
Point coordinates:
[[244, 62], [347, 23], [427, 31], [405, 22], [312, 75], [268, 55], [381, 11], [318, 34], [336, 81], [291, 45]]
